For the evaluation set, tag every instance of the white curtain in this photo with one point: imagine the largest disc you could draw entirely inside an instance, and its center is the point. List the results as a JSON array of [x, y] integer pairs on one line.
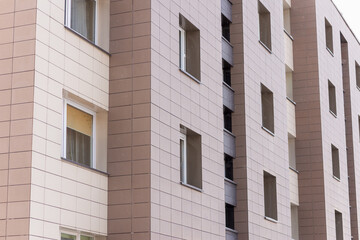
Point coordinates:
[[83, 18]]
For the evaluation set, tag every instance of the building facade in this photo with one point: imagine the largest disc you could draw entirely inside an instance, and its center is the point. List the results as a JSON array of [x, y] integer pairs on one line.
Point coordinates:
[[191, 119]]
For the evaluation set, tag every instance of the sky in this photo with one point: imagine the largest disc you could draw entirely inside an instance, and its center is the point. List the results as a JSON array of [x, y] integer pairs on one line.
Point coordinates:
[[350, 10]]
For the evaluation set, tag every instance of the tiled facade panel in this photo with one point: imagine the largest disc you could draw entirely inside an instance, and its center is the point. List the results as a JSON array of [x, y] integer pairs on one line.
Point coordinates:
[[177, 211], [17, 49], [264, 152], [64, 195], [129, 120], [333, 129], [309, 159]]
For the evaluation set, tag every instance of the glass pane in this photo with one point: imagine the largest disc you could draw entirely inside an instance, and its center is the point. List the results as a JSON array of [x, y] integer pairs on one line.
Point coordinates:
[[86, 238], [78, 147], [65, 236], [182, 154], [83, 18]]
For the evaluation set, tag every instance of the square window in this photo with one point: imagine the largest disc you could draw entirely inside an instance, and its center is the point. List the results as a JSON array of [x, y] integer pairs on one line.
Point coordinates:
[[229, 216], [189, 46], [267, 106], [190, 158], [332, 98], [270, 198], [264, 25], [329, 36], [339, 225], [357, 71], [335, 161], [81, 17], [79, 134]]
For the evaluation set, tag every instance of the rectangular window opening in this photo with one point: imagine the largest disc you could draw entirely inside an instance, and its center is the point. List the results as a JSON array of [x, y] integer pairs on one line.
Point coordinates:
[[190, 158], [289, 85], [335, 161], [189, 46], [332, 98], [270, 198], [267, 106], [287, 17], [294, 222], [227, 119], [225, 24], [264, 25], [339, 226], [357, 70], [229, 168], [292, 155], [226, 72], [329, 36], [230, 216]]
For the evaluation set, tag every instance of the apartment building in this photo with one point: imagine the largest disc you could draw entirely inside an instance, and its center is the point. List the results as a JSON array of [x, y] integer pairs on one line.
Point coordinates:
[[165, 119]]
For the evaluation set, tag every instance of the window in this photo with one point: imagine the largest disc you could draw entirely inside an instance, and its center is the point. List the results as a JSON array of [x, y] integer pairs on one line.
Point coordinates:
[[190, 158], [289, 85], [332, 98], [287, 18], [189, 43], [335, 161], [267, 105], [264, 26], [270, 200], [227, 119], [359, 126], [229, 169], [292, 155], [83, 17], [225, 24], [74, 236], [357, 70], [229, 216], [226, 72], [338, 225], [294, 222], [79, 134], [329, 36]]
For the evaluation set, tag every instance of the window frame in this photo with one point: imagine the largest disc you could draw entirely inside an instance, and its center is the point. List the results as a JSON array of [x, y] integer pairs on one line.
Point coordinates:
[[182, 38], [77, 235], [64, 129], [183, 160], [68, 20]]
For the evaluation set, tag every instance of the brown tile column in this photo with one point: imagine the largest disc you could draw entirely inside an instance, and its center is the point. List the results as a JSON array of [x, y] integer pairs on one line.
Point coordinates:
[[129, 120], [17, 49], [239, 128], [309, 156]]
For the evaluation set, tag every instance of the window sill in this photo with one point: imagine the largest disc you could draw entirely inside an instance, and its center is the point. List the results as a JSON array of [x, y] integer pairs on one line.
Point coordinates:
[[227, 41], [289, 35], [290, 100], [84, 166], [268, 131], [229, 87], [190, 76], [331, 53], [333, 113], [266, 47], [230, 181], [228, 132], [294, 170], [191, 186], [271, 219], [231, 230], [336, 178], [87, 40]]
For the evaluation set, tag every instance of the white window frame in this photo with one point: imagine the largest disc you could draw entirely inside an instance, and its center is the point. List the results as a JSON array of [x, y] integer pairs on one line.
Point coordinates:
[[76, 234], [64, 136], [182, 49], [183, 161], [68, 18]]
